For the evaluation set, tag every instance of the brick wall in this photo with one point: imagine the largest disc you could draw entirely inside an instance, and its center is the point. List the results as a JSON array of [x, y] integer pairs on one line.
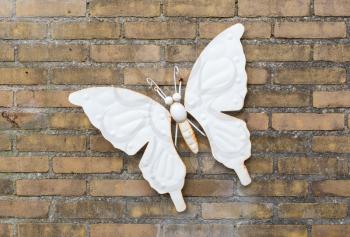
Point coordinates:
[[59, 177]]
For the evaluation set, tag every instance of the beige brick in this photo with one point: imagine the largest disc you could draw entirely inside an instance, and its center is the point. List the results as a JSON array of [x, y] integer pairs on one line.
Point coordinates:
[[7, 52], [50, 8], [255, 121], [332, 8], [236, 210], [125, 53], [208, 188], [277, 99], [99, 144], [281, 143], [312, 210], [24, 164], [5, 142], [330, 230], [160, 30], [181, 53], [127, 188], [250, 8], [331, 99], [124, 230], [22, 76], [271, 230], [339, 188], [313, 30], [339, 144], [198, 230], [69, 121], [24, 208], [50, 229], [6, 8], [335, 53], [23, 120], [6, 98], [39, 99], [87, 164], [22, 30], [257, 76], [200, 8], [85, 30], [113, 8]]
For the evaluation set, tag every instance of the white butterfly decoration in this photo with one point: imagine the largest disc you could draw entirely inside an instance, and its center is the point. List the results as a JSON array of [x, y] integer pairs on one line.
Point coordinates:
[[129, 120]]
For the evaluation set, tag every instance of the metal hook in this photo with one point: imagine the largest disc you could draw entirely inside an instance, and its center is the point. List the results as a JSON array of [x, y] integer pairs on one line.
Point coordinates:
[[155, 87]]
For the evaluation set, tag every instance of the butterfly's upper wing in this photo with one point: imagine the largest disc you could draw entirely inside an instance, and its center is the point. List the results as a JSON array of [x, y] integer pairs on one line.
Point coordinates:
[[218, 82], [129, 120]]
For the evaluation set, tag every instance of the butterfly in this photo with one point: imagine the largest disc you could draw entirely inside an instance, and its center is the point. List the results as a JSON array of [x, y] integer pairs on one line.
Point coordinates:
[[130, 120]]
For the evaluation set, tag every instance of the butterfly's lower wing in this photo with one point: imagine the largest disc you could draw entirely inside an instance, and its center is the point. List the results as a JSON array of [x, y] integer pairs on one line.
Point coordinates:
[[129, 120], [218, 82]]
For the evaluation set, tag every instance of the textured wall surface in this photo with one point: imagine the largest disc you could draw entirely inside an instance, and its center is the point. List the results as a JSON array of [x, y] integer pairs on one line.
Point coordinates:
[[60, 178]]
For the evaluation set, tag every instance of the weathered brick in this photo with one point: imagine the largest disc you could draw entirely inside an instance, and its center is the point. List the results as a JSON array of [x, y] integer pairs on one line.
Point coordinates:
[[50, 187], [208, 187], [277, 52], [7, 52], [22, 76], [125, 53], [37, 99], [44, 142], [281, 143], [99, 144], [335, 53], [198, 230], [307, 121], [271, 231], [6, 187], [5, 142], [330, 230], [253, 29], [236, 210], [22, 30], [277, 99], [6, 8], [250, 8], [85, 30], [52, 53], [255, 121], [331, 188], [124, 230], [160, 30], [23, 120], [6, 98], [110, 187], [6, 230], [310, 76], [159, 209], [113, 8], [313, 30], [340, 144], [257, 76], [312, 210], [200, 8], [87, 164], [24, 164], [33, 8], [332, 8], [24, 208], [278, 188], [331, 99], [50, 229], [69, 121], [181, 53]]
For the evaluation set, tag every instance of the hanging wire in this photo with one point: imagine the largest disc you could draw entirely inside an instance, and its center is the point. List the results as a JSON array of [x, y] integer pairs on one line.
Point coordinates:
[[155, 87]]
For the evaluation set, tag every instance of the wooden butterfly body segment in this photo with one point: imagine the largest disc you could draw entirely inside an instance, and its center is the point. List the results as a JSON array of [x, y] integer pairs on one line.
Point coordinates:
[[129, 120]]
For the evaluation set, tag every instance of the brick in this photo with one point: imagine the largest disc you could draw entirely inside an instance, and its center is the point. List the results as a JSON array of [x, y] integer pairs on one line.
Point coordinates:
[[282, 143], [306, 76], [277, 52], [332, 8], [85, 30], [123, 230], [6, 187], [257, 76], [6, 98], [159, 209], [271, 230], [125, 53], [277, 99], [236, 210], [52, 53], [89, 209], [23, 120], [208, 187], [38, 99], [22, 30], [310, 166], [335, 53], [99, 144], [6, 8], [312, 210], [251, 8], [277, 188], [50, 229], [24, 208], [330, 230], [113, 8], [52, 8], [331, 99], [44, 142], [5, 142], [24, 164], [253, 29], [339, 188], [313, 30], [87, 164], [129, 188], [200, 8], [181, 53], [255, 121], [160, 30], [23, 76], [162, 76], [340, 144], [7, 52], [6, 230], [198, 230], [69, 121], [50, 187], [307, 121]]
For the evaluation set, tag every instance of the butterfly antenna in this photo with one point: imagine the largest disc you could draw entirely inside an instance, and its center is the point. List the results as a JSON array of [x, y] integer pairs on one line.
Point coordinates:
[[176, 73], [155, 87], [197, 128]]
